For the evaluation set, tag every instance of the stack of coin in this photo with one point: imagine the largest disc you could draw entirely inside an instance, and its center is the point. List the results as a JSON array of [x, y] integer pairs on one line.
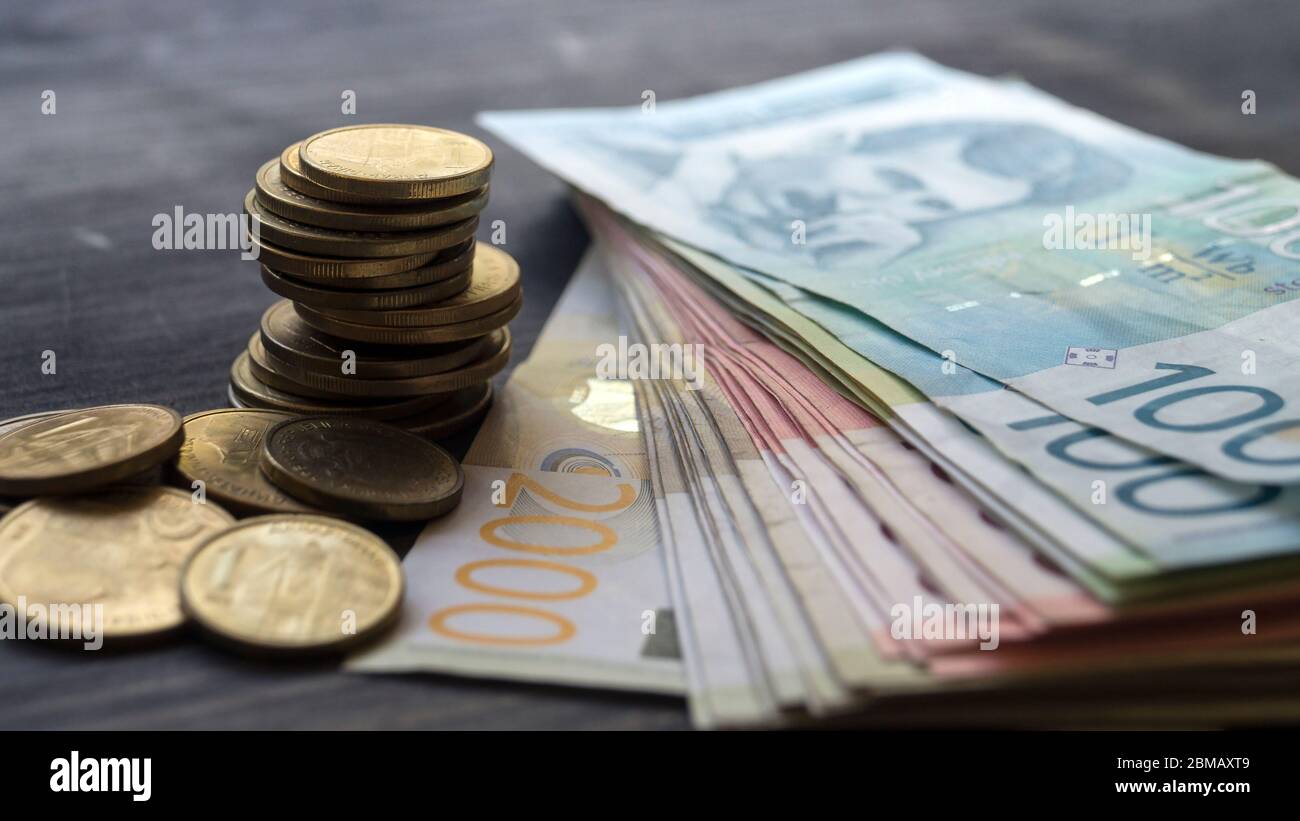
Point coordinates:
[[391, 311]]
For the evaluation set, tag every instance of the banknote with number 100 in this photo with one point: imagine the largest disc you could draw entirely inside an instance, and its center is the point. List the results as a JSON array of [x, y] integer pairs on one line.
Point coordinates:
[[953, 209]]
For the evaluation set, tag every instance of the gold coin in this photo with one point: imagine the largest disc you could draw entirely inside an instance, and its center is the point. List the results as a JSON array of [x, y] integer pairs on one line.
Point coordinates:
[[249, 392], [445, 264], [293, 583], [121, 548], [286, 337], [491, 363], [291, 174], [361, 467], [26, 419], [83, 449], [326, 297], [222, 449], [268, 373], [264, 373], [148, 476], [8, 504], [334, 268], [273, 375], [397, 161], [408, 336], [351, 244], [280, 199], [493, 285], [462, 410]]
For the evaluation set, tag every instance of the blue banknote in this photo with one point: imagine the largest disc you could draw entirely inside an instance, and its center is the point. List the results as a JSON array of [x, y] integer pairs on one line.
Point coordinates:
[[1119, 279]]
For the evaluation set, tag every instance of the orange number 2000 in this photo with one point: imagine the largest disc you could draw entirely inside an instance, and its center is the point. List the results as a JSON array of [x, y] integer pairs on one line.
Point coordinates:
[[562, 628]]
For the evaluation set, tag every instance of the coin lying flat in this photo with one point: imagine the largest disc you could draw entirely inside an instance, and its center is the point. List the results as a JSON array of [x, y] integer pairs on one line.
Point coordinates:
[[248, 391], [222, 449], [293, 583], [264, 373], [408, 336], [481, 370], [286, 337], [121, 548], [494, 284], [280, 376], [309, 239], [83, 449], [446, 263], [8, 504], [291, 204], [334, 268], [326, 297], [397, 161], [23, 421], [462, 410], [292, 176], [365, 468]]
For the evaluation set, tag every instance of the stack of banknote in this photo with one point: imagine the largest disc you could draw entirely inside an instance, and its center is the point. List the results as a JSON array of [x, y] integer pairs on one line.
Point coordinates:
[[893, 394]]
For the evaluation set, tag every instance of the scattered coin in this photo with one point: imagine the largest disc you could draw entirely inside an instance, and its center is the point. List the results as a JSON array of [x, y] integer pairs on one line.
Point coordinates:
[[463, 409], [309, 239], [493, 285], [408, 336], [26, 419], [79, 450], [9, 503], [280, 199], [293, 583], [326, 297], [335, 385], [286, 337], [248, 391], [365, 468], [121, 548], [396, 161], [222, 449], [149, 476]]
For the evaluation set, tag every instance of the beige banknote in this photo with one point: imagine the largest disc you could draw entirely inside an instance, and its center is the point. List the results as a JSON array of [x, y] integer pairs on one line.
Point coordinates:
[[552, 568]]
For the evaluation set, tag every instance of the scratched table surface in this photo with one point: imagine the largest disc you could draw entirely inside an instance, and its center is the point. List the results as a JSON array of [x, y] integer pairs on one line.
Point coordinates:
[[165, 104]]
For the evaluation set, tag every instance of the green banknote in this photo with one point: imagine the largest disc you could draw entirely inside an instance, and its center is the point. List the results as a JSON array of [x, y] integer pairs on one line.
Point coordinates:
[[1118, 279]]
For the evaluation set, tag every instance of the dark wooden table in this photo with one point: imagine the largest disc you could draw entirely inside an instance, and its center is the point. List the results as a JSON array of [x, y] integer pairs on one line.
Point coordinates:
[[164, 104]]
